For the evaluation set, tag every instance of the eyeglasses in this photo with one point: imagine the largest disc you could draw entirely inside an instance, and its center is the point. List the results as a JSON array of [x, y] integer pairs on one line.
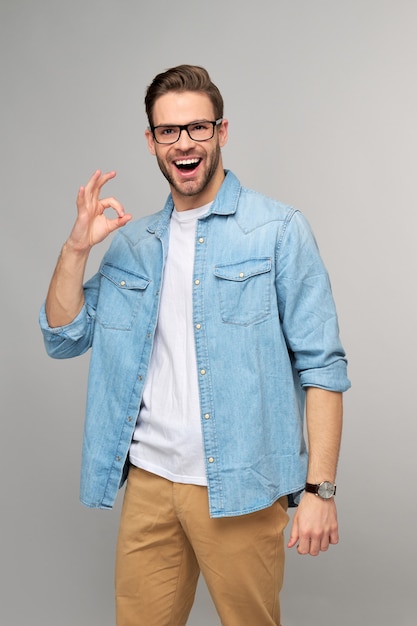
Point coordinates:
[[197, 131]]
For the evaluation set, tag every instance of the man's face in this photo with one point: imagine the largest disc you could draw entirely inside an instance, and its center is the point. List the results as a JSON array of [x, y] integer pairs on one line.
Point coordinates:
[[193, 169]]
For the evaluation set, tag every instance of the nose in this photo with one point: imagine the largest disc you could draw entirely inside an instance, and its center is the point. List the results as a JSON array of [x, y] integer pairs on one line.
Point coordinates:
[[184, 142]]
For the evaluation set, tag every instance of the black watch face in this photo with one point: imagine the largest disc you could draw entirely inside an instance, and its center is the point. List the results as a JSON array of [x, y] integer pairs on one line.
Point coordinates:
[[326, 490]]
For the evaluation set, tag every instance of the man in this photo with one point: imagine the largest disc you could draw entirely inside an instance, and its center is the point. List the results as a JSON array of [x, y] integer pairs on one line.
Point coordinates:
[[212, 325]]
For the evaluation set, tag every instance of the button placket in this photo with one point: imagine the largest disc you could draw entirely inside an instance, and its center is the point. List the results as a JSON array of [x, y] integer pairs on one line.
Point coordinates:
[[207, 414]]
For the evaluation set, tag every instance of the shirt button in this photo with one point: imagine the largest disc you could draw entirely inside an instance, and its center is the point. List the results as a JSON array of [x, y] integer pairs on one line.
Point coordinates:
[[202, 372], [122, 283], [241, 275], [198, 326], [196, 282], [129, 419], [211, 460], [118, 458], [207, 416], [201, 240]]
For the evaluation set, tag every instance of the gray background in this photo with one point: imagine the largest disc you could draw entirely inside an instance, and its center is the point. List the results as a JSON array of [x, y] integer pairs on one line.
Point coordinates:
[[322, 99]]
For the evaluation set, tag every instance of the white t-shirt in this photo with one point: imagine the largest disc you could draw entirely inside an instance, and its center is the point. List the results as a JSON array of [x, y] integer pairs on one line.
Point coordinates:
[[168, 438]]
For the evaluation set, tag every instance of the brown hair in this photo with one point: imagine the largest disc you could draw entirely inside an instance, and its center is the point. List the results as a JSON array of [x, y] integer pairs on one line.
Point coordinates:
[[183, 78]]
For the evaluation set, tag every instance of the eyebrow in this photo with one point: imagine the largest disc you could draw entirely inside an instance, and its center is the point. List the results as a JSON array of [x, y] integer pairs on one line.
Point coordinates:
[[187, 124]]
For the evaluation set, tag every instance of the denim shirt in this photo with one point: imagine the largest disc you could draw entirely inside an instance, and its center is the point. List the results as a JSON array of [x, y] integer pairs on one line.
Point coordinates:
[[265, 328]]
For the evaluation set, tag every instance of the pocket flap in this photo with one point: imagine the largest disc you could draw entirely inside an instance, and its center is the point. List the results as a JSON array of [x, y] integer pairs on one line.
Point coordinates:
[[123, 278], [243, 270]]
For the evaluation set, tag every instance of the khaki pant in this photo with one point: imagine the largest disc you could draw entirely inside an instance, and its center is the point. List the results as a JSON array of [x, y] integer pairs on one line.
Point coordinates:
[[166, 538]]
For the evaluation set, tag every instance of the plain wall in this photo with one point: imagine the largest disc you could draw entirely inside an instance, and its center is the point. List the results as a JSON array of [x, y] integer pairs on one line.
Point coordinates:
[[321, 97]]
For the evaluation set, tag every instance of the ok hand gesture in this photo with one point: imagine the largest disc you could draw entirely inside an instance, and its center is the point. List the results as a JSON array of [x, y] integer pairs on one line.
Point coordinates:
[[92, 225]]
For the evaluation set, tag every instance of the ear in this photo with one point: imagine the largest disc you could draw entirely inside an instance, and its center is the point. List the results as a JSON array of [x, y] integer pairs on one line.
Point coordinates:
[[223, 131], [151, 141]]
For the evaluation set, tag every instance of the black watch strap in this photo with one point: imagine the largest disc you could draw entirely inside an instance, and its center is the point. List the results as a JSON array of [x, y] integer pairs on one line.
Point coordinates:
[[326, 487]]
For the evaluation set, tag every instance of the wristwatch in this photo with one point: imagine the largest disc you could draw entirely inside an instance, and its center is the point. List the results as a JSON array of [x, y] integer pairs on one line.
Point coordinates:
[[325, 490]]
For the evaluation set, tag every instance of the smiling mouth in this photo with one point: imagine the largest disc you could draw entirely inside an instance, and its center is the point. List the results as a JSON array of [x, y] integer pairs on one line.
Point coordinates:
[[187, 165]]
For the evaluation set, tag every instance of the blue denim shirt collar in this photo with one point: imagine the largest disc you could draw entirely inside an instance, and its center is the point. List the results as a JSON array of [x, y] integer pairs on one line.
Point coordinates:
[[225, 203]]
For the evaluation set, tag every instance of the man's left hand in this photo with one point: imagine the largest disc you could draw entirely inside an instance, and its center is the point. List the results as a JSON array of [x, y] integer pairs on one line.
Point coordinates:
[[315, 525]]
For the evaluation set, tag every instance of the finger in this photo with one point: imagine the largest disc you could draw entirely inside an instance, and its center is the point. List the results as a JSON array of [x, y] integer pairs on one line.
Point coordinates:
[[315, 546], [81, 195], [328, 539], [293, 535], [84, 197], [311, 545], [92, 181], [304, 546], [96, 182], [101, 181], [87, 191], [325, 543], [104, 178], [112, 203]]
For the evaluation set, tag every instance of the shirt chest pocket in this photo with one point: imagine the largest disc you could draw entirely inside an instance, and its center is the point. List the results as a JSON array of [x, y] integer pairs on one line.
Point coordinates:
[[121, 294], [244, 290]]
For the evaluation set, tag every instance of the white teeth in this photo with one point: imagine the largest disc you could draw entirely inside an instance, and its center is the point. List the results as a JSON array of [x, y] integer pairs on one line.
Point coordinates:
[[187, 162]]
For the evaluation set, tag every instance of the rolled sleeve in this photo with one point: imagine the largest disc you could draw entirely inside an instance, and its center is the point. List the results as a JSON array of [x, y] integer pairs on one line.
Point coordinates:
[[333, 377], [63, 342]]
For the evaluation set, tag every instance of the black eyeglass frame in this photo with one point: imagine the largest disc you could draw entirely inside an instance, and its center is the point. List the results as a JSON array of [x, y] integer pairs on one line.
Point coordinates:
[[184, 127]]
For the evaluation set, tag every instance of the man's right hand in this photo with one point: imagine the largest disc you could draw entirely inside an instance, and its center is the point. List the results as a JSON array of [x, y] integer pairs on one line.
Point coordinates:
[[66, 295], [92, 225]]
